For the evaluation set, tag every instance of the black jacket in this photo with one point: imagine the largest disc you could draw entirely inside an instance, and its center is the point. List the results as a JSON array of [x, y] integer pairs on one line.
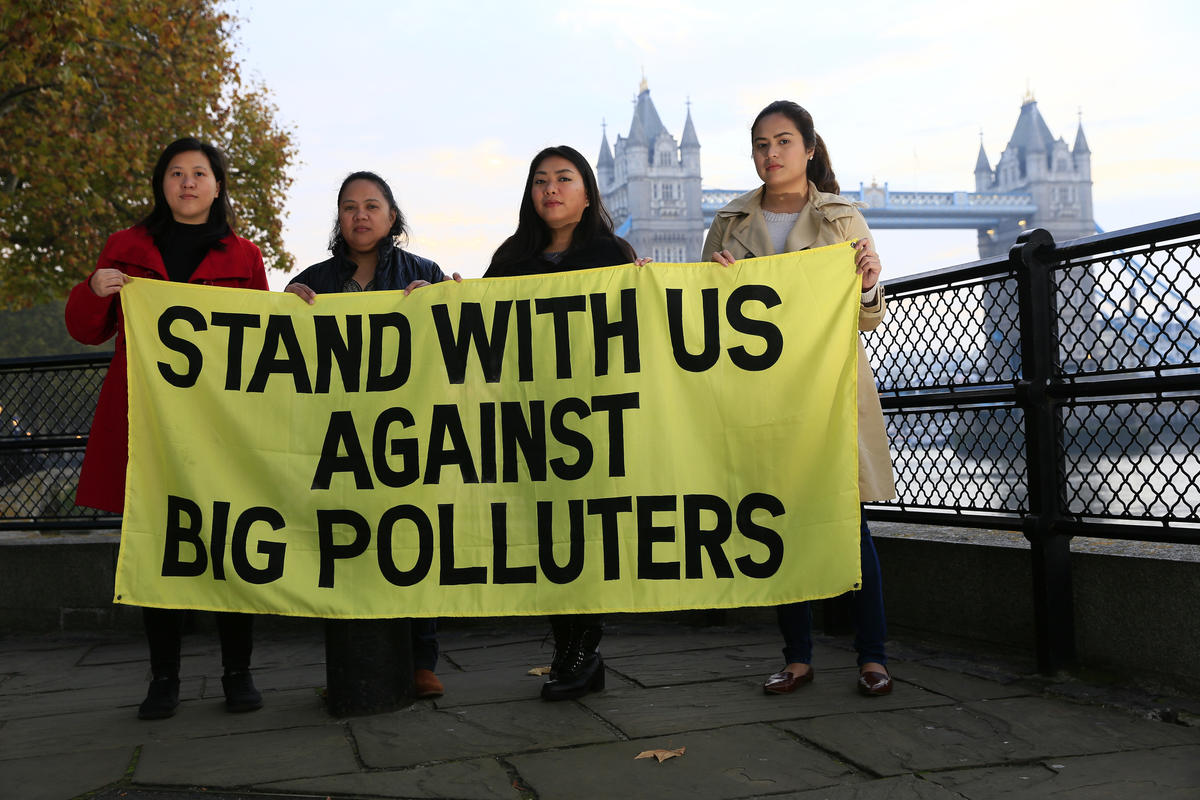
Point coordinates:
[[604, 252], [397, 269]]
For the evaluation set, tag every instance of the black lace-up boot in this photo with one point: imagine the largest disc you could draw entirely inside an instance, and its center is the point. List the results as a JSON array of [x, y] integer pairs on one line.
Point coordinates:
[[577, 667]]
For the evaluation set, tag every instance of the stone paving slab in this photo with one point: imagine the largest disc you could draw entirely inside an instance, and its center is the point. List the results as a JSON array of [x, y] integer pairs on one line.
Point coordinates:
[[731, 762], [126, 792], [983, 733], [960, 725], [755, 661], [281, 679], [246, 759], [1169, 773], [649, 712], [125, 650], [92, 730], [291, 654], [646, 639], [499, 685], [521, 655], [422, 734], [1003, 672], [462, 633], [200, 652], [905, 787], [101, 700], [473, 779], [19, 659], [956, 684], [619, 640], [61, 775], [41, 679]]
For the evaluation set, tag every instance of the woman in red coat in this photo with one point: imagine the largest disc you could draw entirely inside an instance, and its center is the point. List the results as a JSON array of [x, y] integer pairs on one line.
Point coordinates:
[[187, 237]]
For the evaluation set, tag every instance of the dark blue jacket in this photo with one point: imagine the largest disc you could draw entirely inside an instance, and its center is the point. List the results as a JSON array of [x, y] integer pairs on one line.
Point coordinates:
[[397, 269]]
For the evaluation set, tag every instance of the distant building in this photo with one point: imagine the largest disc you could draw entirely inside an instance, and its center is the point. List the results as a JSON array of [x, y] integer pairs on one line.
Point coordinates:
[[1058, 178], [651, 185]]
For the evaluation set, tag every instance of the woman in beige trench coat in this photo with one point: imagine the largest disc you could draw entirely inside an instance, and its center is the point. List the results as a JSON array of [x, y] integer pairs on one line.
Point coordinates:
[[796, 208]]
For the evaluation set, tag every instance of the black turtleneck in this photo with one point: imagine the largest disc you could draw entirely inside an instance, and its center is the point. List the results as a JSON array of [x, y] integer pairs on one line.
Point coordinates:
[[184, 247]]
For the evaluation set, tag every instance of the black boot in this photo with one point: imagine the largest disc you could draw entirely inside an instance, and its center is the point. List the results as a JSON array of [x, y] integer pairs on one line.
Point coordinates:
[[162, 698], [577, 668], [561, 627], [240, 693]]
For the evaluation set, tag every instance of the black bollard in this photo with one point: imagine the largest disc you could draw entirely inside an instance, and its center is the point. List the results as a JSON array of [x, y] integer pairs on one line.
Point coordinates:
[[368, 666]]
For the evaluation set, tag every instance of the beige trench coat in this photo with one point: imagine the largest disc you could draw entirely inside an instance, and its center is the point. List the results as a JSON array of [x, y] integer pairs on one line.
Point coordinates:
[[828, 219]]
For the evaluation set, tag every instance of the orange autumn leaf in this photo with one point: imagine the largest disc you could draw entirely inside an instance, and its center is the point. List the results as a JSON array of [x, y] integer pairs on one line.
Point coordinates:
[[661, 755], [538, 672]]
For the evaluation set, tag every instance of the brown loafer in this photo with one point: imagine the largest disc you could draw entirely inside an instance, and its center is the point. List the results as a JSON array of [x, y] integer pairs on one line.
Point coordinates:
[[427, 684], [785, 682], [874, 684]]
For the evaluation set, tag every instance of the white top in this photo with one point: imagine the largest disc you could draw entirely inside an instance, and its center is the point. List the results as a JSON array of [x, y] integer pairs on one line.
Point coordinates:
[[778, 227]]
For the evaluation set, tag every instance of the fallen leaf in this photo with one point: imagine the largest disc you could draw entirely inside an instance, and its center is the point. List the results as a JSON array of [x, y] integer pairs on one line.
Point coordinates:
[[539, 671], [661, 755]]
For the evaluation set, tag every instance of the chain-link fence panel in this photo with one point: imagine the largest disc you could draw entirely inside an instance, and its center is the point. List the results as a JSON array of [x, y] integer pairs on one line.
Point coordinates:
[[969, 459], [1132, 460], [46, 408], [948, 336], [1130, 311]]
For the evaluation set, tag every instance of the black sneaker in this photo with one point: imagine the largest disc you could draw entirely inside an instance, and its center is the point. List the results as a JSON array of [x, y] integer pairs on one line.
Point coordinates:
[[240, 694], [162, 698]]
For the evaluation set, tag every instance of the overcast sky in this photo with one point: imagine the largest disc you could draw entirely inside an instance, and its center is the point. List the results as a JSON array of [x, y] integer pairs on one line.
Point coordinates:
[[449, 101]]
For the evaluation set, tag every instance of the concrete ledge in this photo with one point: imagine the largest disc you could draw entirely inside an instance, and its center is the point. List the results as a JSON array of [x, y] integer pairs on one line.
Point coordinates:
[[61, 583], [1137, 608], [1134, 615]]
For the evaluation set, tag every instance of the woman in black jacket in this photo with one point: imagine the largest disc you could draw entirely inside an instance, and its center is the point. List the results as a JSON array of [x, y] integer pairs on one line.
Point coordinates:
[[562, 226], [363, 244], [366, 257]]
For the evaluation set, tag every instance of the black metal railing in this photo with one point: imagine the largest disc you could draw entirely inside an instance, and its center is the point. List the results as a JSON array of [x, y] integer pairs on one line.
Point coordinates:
[[1053, 391], [46, 407]]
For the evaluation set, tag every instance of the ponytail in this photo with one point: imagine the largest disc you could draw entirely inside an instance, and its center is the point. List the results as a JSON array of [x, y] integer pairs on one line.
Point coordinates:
[[820, 169]]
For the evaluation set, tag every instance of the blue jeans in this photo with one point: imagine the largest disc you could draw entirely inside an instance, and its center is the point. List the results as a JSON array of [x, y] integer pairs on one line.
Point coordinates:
[[795, 619]]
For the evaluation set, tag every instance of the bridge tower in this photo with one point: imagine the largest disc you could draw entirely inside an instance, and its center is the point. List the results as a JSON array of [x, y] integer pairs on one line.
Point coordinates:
[[1058, 178], [651, 185]]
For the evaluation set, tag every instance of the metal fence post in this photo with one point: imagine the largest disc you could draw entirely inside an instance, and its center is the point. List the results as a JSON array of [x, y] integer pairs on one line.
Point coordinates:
[[1050, 552]]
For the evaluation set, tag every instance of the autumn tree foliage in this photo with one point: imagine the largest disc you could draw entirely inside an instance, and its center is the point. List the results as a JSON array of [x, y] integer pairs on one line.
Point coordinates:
[[90, 93]]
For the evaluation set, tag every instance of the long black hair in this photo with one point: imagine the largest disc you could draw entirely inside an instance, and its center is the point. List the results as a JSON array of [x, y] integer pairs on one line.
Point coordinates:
[[533, 234], [220, 214], [399, 225], [820, 169]]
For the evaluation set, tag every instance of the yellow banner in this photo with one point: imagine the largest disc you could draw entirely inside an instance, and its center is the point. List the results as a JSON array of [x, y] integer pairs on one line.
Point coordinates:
[[619, 439]]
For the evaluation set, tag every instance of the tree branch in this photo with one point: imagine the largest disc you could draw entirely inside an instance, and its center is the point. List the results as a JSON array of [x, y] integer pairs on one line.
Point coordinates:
[[8, 100]]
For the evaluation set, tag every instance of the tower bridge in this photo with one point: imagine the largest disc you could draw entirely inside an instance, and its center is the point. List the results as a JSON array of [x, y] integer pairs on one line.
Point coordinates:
[[651, 184], [886, 208]]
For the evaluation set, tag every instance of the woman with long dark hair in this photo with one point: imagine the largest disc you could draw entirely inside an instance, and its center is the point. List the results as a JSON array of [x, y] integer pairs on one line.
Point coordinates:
[[366, 255], [188, 236], [796, 208], [562, 225]]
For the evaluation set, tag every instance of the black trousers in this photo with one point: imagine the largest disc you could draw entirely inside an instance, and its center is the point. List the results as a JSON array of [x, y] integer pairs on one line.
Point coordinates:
[[164, 634]]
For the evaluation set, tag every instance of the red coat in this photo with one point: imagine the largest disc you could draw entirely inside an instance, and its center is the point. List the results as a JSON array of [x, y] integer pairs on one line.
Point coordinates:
[[93, 320]]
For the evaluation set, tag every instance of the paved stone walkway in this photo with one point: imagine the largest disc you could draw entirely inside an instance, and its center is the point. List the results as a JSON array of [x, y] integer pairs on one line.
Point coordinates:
[[957, 726]]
